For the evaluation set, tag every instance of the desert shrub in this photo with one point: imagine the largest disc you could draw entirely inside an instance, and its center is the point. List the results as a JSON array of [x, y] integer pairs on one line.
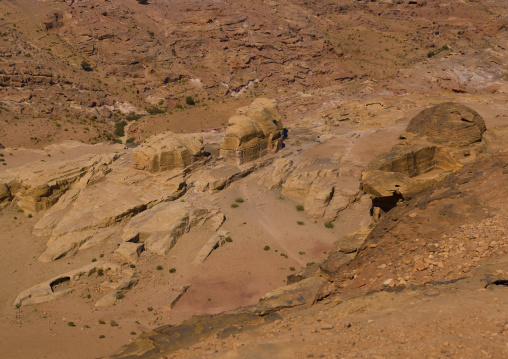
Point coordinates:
[[228, 239], [190, 101], [328, 224], [85, 65], [132, 117], [172, 270], [266, 248], [300, 208], [142, 2], [239, 200], [234, 205], [130, 140], [154, 110], [300, 223], [120, 128], [434, 53]]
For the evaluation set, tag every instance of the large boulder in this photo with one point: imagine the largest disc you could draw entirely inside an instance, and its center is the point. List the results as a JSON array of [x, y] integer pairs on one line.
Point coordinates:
[[168, 151], [253, 132], [439, 141], [448, 124]]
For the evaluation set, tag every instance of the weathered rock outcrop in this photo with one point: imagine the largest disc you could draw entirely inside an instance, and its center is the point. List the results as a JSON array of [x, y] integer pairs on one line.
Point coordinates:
[[5, 195], [168, 151], [319, 191], [253, 132], [461, 222], [39, 185], [88, 207], [50, 290], [70, 243], [161, 226], [449, 124], [116, 290], [129, 251], [439, 141], [216, 240], [405, 172]]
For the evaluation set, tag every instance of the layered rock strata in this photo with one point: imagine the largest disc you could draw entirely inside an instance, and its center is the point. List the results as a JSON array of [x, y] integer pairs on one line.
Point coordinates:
[[168, 151], [253, 132], [438, 142]]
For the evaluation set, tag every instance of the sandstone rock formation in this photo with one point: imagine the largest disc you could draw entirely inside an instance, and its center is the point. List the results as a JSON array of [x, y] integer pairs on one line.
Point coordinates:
[[161, 226], [449, 124], [253, 132], [116, 290], [73, 222], [439, 141], [405, 172], [39, 185], [221, 175], [216, 240], [47, 290], [129, 251], [467, 213], [168, 151], [176, 294], [319, 191], [5, 195], [70, 243]]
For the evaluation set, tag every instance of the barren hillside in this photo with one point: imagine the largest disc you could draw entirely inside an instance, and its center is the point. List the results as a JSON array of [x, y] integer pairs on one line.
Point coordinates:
[[232, 179]]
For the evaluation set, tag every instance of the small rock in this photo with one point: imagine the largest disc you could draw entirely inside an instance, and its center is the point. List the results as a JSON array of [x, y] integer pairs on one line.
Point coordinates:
[[327, 326], [360, 283], [388, 282]]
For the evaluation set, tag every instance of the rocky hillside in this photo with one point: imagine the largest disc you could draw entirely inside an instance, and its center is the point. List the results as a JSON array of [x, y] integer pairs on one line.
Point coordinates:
[[265, 179], [72, 69]]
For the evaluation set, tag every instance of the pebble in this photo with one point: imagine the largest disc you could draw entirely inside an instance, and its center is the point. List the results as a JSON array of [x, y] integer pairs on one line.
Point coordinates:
[[388, 281], [327, 326]]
